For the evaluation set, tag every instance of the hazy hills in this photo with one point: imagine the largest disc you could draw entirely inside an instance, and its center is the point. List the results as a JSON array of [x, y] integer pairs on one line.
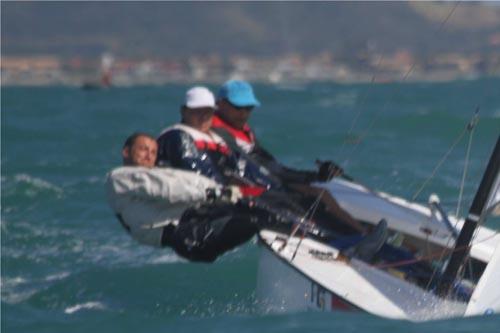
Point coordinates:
[[177, 29]]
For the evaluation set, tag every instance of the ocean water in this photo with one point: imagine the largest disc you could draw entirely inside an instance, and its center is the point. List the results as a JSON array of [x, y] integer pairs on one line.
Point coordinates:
[[67, 265]]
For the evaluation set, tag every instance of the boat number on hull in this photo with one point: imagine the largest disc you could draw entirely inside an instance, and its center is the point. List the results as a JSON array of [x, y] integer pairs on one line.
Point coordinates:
[[318, 295], [323, 299]]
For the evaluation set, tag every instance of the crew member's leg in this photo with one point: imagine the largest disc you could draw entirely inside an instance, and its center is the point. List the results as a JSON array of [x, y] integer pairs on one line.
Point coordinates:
[[331, 206], [207, 232]]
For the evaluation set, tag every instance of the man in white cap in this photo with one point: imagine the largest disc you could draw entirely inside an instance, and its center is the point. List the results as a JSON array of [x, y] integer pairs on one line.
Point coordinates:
[[192, 145]]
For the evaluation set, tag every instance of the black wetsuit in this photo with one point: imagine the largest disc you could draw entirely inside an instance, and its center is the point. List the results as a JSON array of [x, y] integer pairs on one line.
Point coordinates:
[[206, 232]]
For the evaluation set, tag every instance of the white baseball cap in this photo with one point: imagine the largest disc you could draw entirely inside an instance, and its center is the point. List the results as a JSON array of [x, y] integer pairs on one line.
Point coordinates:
[[199, 97]]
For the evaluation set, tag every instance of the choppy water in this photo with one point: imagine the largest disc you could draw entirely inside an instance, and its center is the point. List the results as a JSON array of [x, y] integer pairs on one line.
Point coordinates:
[[68, 266]]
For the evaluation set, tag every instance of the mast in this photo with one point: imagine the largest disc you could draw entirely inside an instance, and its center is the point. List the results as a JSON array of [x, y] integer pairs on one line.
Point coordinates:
[[464, 238]]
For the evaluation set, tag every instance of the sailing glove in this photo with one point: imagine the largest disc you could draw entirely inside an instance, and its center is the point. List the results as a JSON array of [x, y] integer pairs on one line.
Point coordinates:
[[231, 194], [225, 194]]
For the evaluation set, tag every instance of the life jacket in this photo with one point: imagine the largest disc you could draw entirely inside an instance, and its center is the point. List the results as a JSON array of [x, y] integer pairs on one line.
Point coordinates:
[[204, 141], [245, 138], [214, 159]]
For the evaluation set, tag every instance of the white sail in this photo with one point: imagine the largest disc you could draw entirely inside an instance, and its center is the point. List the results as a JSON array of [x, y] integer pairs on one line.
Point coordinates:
[[486, 296]]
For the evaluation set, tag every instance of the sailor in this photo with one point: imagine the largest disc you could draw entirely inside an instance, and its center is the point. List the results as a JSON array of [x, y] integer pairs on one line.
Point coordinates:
[[192, 145], [193, 214], [235, 102]]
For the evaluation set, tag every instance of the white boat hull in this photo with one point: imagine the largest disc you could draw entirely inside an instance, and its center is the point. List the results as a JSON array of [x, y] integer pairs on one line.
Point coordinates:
[[317, 279]]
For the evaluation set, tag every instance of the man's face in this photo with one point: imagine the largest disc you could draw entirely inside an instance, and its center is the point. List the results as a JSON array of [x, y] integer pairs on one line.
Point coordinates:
[[235, 116], [201, 119], [142, 153]]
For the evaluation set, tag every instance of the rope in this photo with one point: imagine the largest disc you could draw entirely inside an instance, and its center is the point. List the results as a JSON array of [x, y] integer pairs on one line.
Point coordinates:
[[365, 95], [448, 17], [407, 74], [470, 127], [312, 210], [439, 165], [432, 255]]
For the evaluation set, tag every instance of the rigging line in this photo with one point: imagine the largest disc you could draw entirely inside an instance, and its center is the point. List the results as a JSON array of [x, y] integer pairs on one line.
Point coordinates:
[[363, 99], [448, 17], [471, 128], [365, 134], [315, 205], [443, 253], [295, 229], [298, 244], [441, 257], [432, 255], [407, 74], [312, 209], [377, 115], [438, 165], [381, 111]]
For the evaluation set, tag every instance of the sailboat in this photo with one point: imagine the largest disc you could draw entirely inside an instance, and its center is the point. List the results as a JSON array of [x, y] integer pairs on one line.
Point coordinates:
[[107, 61], [410, 277]]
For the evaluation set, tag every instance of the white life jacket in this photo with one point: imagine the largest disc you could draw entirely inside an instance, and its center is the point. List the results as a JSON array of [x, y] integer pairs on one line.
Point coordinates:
[[146, 200], [203, 141]]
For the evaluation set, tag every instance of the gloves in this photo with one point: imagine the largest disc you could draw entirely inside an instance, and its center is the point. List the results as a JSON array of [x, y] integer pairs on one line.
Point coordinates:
[[225, 194], [327, 170], [231, 194]]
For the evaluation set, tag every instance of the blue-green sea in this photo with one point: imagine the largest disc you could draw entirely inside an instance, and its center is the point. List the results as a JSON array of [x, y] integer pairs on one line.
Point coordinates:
[[67, 265]]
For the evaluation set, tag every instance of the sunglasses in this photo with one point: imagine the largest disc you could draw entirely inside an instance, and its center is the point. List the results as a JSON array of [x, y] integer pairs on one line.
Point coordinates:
[[242, 108]]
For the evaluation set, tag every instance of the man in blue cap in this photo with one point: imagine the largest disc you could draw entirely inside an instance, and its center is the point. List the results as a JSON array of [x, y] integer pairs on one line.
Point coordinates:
[[235, 102]]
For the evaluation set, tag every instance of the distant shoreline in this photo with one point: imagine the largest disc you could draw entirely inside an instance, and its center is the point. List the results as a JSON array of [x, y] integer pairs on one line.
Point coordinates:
[[289, 84]]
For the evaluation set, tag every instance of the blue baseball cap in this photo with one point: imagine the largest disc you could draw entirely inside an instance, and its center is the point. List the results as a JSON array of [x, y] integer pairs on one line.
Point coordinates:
[[238, 93]]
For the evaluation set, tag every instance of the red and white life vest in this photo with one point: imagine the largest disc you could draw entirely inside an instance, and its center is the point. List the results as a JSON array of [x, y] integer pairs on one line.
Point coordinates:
[[203, 141], [245, 138], [213, 142]]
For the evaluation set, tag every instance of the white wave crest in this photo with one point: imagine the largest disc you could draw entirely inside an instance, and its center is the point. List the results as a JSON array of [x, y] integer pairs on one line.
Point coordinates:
[[11, 282], [85, 306], [37, 182], [57, 276], [12, 297], [16, 289], [169, 258]]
